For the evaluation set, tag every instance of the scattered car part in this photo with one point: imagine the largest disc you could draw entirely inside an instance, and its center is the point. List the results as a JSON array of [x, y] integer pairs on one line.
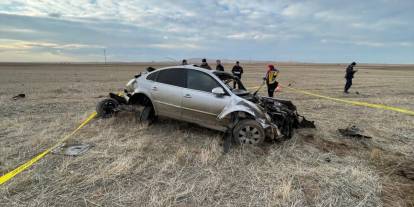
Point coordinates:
[[107, 107], [304, 123], [19, 96], [73, 149], [353, 131]]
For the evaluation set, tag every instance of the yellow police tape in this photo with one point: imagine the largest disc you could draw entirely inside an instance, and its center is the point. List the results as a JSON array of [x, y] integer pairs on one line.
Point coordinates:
[[26, 165], [29, 163], [357, 103]]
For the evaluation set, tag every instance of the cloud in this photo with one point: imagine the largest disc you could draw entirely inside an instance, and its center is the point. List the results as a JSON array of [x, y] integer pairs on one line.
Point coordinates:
[[296, 10], [249, 36], [176, 46], [141, 29], [18, 44], [369, 43]]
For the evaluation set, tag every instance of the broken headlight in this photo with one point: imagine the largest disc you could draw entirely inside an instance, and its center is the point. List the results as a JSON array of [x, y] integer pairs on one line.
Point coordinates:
[[130, 86]]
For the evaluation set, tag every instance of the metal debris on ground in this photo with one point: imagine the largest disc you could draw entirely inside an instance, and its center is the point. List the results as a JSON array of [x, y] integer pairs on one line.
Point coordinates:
[[73, 149], [304, 123], [353, 131], [20, 96]]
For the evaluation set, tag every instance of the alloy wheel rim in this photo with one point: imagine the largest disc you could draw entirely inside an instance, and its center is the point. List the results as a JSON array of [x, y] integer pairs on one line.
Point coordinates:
[[249, 135]]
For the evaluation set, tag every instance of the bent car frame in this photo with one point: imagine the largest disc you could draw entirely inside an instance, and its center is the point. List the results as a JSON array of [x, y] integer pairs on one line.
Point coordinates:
[[206, 98]]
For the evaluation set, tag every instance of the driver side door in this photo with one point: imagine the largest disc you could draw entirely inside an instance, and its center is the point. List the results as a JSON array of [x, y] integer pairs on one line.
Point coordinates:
[[199, 104]]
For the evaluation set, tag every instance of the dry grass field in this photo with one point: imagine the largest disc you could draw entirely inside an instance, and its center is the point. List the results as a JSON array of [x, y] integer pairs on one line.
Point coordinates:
[[173, 163]]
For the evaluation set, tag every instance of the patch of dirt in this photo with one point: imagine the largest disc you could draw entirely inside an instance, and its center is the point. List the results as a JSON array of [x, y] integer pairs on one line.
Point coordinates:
[[397, 175], [340, 148], [395, 169], [66, 90]]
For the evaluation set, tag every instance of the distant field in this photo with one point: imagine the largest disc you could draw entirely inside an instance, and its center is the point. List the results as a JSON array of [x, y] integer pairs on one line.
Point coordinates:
[[173, 163]]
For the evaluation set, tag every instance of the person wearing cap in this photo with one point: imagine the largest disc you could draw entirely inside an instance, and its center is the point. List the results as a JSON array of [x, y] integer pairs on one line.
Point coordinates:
[[349, 75], [237, 71], [270, 79], [184, 62], [219, 66], [204, 64]]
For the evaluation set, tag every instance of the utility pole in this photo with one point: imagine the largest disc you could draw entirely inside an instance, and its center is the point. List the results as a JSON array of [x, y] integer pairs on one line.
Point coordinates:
[[105, 55]]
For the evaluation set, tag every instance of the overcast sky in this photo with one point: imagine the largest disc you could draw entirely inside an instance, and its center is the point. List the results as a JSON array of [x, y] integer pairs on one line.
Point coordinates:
[[379, 31]]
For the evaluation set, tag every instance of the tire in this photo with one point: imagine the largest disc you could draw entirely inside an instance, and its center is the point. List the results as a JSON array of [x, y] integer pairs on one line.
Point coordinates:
[[146, 116], [248, 131], [288, 128], [106, 108]]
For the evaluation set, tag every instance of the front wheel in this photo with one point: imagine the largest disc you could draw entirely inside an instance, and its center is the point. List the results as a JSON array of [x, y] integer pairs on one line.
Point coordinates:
[[106, 108], [248, 131]]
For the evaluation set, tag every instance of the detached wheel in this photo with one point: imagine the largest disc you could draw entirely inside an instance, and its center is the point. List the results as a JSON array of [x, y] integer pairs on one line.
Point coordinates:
[[106, 108], [248, 131]]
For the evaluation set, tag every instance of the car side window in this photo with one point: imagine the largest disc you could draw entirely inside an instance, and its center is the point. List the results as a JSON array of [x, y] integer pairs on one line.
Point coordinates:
[[152, 76], [174, 76], [200, 81]]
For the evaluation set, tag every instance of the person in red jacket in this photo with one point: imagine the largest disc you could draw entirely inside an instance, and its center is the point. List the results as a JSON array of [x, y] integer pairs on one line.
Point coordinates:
[[270, 79]]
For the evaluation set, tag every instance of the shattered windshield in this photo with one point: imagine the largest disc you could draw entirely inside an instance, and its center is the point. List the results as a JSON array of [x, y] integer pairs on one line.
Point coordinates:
[[233, 83]]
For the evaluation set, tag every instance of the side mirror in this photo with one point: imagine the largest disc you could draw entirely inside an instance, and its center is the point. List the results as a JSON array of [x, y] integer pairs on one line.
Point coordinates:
[[218, 91]]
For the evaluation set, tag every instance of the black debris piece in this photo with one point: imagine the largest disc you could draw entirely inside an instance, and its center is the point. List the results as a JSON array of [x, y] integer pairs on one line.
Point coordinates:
[[20, 96], [304, 123], [353, 131]]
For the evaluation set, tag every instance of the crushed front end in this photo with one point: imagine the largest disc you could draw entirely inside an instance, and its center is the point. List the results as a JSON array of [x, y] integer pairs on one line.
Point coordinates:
[[283, 116]]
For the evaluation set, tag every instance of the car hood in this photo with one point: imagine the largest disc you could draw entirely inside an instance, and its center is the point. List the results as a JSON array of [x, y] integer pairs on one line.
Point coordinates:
[[238, 104]]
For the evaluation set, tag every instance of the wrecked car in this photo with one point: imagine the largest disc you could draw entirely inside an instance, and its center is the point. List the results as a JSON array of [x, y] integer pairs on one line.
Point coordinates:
[[206, 98]]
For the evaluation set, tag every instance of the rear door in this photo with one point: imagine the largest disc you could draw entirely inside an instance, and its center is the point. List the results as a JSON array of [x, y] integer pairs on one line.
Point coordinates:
[[200, 105], [167, 92]]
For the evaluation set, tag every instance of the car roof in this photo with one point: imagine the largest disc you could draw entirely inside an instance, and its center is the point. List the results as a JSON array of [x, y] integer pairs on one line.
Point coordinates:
[[214, 73], [189, 67]]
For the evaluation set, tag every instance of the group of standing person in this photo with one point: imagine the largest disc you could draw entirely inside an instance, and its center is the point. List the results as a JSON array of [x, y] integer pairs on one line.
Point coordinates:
[[237, 70], [271, 74]]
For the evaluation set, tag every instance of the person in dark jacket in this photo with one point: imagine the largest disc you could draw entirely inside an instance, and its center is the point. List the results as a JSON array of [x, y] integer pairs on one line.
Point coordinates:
[[204, 64], [237, 71], [184, 62], [270, 79], [219, 66], [349, 75]]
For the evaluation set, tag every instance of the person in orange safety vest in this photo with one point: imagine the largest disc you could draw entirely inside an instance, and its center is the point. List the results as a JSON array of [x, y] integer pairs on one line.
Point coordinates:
[[270, 79]]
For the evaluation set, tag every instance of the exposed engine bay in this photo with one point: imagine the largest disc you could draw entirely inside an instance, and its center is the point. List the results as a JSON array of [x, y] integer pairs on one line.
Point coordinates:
[[283, 113]]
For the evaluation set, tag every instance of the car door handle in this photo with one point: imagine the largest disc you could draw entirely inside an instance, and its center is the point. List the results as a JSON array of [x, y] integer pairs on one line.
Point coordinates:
[[154, 88], [187, 96]]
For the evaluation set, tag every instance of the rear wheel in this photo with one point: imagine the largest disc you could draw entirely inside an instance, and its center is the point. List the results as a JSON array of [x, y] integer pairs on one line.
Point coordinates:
[[106, 108], [248, 131], [146, 116]]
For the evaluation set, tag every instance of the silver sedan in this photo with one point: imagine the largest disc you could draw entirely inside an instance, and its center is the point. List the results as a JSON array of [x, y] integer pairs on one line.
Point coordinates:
[[206, 98]]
